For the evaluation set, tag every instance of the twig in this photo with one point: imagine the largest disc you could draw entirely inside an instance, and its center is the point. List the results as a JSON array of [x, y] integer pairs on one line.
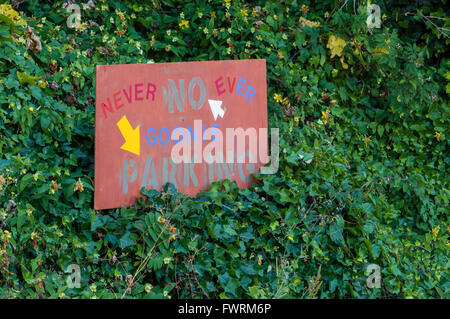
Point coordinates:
[[417, 246], [332, 12], [429, 20]]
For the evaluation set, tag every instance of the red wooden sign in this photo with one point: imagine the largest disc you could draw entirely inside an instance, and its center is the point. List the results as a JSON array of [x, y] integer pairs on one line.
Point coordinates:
[[146, 114]]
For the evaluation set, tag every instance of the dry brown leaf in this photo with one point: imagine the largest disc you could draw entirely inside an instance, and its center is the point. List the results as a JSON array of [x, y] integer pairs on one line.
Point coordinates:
[[33, 42]]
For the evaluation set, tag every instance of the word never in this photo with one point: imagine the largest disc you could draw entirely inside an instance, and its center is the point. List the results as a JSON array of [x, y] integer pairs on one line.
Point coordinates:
[[129, 96]]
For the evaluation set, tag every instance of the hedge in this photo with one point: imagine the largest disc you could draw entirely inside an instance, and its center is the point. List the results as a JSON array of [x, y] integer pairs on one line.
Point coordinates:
[[363, 182]]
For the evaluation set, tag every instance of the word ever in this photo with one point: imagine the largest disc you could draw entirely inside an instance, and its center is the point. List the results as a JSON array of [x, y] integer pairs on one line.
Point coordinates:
[[249, 92]]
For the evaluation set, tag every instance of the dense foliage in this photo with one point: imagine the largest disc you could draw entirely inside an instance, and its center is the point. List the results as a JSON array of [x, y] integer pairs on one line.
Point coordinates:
[[364, 154]]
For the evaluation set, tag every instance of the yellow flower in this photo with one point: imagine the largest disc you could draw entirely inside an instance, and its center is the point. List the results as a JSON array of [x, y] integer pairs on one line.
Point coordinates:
[[184, 24], [148, 288], [79, 186], [277, 97], [344, 65], [326, 116], [438, 136], [31, 109], [213, 14], [226, 1], [161, 220], [7, 234], [304, 9], [435, 231], [244, 12], [256, 11], [290, 238], [152, 42], [366, 139], [259, 260]]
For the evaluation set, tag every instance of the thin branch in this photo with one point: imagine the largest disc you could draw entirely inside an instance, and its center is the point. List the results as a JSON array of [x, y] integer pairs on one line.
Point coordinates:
[[427, 18]]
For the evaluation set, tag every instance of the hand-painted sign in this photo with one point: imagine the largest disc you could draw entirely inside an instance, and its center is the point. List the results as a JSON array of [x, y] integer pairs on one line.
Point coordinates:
[[147, 113]]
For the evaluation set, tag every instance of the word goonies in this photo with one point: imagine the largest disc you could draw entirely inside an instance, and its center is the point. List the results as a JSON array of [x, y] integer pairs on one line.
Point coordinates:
[[160, 123]]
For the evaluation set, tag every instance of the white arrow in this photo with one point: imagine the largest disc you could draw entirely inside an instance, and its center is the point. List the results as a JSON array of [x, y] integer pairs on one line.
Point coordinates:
[[216, 109]]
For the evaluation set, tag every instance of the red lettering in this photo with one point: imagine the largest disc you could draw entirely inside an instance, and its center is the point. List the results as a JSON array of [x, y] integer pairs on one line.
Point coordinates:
[[137, 92], [117, 98], [126, 95], [219, 85], [128, 92], [152, 92], [109, 107], [231, 86]]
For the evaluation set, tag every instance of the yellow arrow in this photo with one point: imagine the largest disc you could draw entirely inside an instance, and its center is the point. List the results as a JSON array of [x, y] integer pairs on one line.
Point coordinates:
[[131, 136]]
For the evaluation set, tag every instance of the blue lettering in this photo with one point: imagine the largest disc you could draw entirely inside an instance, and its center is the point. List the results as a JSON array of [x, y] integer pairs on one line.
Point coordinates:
[[168, 136], [239, 85], [153, 136]]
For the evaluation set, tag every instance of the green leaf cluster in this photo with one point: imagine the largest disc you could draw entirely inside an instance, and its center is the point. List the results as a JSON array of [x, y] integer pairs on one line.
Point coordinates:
[[364, 155]]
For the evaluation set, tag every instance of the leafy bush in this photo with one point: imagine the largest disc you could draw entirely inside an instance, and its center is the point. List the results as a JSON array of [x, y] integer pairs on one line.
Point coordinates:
[[363, 118]]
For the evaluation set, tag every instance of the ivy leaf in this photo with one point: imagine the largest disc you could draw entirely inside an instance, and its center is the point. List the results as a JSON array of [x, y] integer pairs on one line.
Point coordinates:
[[335, 232], [229, 230], [25, 78], [24, 182], [336, 45], [125, 241]]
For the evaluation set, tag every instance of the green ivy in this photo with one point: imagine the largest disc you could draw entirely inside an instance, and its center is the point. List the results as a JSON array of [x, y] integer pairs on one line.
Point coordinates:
[[364, 155]]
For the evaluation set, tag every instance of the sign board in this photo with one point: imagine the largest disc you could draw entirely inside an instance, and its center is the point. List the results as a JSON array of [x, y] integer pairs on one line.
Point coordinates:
[[145, 111]]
